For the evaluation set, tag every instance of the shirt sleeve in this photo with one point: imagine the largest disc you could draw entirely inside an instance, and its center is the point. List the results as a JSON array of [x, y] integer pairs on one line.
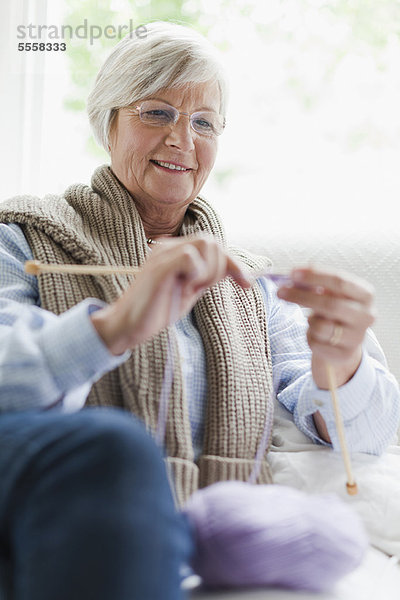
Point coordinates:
[[369, 402], [45, 360]]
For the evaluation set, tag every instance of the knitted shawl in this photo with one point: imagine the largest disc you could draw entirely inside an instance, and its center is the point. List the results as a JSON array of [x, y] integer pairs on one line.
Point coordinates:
[[101, 225]]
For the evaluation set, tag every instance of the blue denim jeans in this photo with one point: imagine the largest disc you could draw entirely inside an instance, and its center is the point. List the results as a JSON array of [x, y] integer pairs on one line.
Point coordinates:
[[86, 511]]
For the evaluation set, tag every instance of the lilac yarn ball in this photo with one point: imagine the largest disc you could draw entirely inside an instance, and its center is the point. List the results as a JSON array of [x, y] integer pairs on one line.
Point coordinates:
[[272, 535]]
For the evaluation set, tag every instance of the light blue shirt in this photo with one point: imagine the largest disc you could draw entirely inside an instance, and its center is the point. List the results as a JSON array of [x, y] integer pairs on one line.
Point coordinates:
[[48, 360]]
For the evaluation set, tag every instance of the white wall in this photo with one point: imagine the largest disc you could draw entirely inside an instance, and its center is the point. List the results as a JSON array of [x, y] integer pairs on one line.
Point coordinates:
[[291, 166]]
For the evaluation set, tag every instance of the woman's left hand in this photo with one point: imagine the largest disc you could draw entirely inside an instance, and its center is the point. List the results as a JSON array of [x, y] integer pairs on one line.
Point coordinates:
[[342, 308]]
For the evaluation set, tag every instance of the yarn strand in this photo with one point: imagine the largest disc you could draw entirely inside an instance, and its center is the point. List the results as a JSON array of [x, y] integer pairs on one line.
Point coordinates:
[[262, 447], [169, 370]]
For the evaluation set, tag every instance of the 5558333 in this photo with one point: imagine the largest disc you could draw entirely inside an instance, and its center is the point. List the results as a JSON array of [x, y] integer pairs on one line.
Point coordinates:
[[42, 46]]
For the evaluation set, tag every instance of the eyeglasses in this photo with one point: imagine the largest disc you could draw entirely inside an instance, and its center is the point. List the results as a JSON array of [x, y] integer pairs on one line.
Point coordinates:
[[161, 114]]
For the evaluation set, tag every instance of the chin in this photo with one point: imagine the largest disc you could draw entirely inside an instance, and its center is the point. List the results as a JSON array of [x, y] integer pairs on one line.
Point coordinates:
[[170, 196]]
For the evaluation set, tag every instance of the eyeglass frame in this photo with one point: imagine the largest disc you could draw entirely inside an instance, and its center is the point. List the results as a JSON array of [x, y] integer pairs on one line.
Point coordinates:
[[178, 113]]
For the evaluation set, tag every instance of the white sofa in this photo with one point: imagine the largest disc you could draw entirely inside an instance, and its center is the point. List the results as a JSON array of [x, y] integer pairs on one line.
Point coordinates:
[[375, 257]]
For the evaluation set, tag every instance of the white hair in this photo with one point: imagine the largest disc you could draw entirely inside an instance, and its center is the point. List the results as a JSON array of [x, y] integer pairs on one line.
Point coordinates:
[[166, 55]]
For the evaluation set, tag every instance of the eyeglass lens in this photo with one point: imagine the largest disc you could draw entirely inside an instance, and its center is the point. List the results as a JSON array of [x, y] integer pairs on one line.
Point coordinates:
[[161, 114]]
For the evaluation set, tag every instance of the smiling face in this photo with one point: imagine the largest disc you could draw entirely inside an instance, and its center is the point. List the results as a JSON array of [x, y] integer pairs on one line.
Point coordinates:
[[137, 149]]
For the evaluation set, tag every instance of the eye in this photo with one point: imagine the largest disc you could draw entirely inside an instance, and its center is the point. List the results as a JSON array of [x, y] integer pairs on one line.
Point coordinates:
[[158, 112], [206, 123], [203, 124], [158, 116]]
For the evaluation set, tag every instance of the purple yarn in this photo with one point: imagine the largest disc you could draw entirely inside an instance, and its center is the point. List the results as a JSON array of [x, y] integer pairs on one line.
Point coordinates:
[[266, 535], [272, 535]]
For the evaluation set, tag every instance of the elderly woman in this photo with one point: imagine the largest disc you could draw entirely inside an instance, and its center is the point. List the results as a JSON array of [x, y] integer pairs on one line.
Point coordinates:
[[158, 107]]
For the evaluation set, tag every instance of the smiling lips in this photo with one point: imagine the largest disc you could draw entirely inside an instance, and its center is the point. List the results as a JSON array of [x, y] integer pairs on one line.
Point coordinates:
[[170, 166]]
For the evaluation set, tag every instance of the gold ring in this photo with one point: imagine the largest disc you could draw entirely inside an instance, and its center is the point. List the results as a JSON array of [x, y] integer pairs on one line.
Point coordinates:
[[336, 335]]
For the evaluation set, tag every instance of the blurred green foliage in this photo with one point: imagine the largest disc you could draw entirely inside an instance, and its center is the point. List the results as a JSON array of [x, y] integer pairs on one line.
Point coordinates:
[[85, 58], [301, 26]]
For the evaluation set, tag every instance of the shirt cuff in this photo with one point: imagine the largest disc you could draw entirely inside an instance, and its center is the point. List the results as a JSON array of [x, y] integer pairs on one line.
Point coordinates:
[[353, 398], [74, 350]]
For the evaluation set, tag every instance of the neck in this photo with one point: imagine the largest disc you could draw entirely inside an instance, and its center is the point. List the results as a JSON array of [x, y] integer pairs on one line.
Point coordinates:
[[160, 221], [157, 227]]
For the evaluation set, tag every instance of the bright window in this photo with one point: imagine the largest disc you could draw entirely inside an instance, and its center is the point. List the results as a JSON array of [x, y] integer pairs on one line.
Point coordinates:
[[313, 133]]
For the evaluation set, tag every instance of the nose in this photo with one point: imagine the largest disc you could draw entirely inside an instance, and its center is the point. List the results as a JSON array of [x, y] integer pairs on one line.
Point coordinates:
[[181, 134]]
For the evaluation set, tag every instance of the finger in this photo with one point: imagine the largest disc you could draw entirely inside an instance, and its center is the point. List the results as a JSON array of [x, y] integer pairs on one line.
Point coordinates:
[[221, 263], [238, 272], [181, 260], [324, 331], [328, 306], [214, 259], [332, 354], [338, 283], [339, 335], [193, 268]]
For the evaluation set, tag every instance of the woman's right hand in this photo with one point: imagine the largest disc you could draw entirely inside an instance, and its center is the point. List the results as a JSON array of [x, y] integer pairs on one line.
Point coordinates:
[[144, 309]]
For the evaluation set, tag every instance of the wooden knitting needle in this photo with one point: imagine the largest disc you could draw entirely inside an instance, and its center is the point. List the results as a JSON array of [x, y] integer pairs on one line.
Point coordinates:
[[351, 485], [35, 267]]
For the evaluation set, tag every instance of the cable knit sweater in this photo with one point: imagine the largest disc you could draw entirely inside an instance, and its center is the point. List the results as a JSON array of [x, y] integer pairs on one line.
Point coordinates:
[[101, 225]]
